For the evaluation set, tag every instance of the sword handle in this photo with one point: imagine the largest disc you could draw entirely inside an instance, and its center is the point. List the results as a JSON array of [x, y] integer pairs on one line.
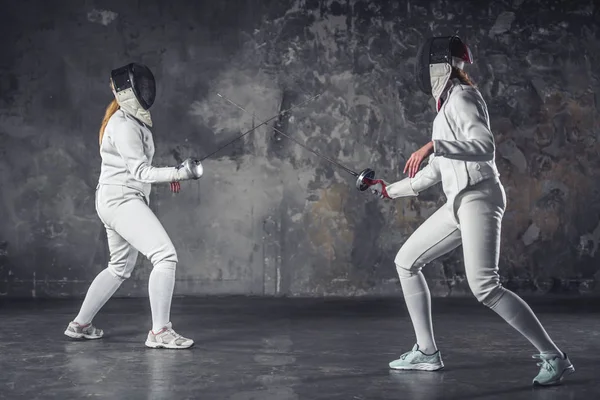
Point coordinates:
[[365, 179]]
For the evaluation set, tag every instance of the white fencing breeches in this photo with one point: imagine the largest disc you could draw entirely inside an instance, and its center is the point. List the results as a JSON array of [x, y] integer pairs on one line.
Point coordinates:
[[131, 226], [476, 225]]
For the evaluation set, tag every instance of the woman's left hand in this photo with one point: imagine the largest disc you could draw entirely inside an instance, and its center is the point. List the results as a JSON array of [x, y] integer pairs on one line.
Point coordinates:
[[416, 158]]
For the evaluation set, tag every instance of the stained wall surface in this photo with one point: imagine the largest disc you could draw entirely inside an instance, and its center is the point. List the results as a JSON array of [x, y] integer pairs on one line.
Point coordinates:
[[268, 217]]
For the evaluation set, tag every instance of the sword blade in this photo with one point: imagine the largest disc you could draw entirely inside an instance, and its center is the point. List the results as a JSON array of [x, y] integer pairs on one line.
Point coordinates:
[[337, 164], [258, 126]]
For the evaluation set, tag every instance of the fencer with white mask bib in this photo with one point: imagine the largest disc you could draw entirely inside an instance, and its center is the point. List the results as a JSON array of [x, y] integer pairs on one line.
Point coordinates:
[[122, 203], [461, 155]]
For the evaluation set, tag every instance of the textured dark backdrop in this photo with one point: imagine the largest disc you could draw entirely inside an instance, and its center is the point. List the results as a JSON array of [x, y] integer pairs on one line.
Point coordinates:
[[268, 217]]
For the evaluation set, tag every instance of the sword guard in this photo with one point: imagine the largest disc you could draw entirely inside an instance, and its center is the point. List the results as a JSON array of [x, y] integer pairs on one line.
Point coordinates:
[[362, 182]]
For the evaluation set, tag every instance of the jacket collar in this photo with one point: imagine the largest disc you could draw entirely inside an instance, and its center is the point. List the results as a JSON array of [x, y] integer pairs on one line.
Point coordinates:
[[453, 83]]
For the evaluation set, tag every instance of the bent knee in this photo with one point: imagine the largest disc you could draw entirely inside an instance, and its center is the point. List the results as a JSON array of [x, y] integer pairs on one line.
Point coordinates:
[[119, 270], [166, 254], [406, 264], [405, 272], [488, 293]]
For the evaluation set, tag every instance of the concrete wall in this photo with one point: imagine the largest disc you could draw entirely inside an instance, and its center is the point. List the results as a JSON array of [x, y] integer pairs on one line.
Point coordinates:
[[268, 217]]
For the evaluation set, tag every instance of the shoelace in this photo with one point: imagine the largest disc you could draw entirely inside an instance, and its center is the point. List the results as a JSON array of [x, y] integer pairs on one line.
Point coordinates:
[[89, 328], [544, 363], [175, 335]]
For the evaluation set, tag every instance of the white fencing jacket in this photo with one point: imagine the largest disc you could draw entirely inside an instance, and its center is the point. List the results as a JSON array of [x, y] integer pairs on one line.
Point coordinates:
[[127, 150], [464, 148]]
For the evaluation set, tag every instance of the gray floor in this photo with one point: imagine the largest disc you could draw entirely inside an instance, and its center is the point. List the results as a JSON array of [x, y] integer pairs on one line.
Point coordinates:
[[252, 348]]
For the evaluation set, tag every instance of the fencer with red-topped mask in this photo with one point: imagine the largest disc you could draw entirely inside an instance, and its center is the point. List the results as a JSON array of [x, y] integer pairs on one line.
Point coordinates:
[[461, 155]]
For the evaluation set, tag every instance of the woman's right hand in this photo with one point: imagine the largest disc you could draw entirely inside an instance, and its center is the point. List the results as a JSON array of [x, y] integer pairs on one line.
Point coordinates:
[[190, 169], [379, 188]]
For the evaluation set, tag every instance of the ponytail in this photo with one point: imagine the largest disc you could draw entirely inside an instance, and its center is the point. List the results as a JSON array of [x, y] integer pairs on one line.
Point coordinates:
[[462, 76], [110, 110]]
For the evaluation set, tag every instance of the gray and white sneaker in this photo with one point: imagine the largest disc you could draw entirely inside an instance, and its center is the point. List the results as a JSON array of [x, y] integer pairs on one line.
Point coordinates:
[[416, 360], [88, 331], [553, 368], [167, 338]]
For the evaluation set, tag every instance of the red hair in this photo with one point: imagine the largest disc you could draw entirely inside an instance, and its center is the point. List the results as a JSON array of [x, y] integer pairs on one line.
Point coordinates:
[[462, 76], [110, 110]]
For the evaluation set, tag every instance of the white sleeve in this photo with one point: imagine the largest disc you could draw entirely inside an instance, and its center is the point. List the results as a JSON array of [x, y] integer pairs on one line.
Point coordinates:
[[129, 145], [424, 179], [467, 112]]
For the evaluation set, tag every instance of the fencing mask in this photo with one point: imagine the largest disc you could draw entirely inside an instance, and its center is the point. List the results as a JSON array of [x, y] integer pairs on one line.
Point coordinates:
[[435, 60], [135, 90]]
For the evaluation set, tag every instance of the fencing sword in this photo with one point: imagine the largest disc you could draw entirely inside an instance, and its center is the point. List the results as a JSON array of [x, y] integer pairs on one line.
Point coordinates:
[[364, 179], [176, 186], [258, 126]]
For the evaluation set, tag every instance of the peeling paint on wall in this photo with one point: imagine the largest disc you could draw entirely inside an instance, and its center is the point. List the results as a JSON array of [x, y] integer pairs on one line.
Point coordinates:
[[103, 17], [269, 217]]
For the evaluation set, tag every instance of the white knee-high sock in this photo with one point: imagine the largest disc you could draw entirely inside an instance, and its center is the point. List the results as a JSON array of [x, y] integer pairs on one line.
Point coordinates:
[[521, 317], [102, 288], [160, 290], [418, 302]]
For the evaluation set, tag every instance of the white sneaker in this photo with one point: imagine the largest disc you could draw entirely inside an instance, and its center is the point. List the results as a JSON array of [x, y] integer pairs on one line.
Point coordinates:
[[89, 331], [416, 360], [553, 369], [167, 338]]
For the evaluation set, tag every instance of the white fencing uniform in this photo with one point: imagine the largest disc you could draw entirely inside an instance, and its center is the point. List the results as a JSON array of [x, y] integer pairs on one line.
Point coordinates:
[[463, 161], [122, 203], [122, 196]]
